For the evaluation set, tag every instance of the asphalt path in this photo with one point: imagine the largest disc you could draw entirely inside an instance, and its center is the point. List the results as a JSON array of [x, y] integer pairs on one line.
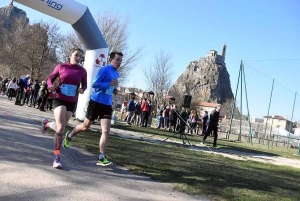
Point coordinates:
[[26, 171]]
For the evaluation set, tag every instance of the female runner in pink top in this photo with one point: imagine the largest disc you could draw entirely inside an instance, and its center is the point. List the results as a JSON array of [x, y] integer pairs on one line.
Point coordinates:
[[72, 81]]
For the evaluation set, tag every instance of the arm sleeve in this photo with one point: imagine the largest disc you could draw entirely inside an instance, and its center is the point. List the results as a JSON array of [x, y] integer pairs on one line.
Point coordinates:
[[84, 81], [129, 104], [53, 76], [213, 116], [98, 80], [143, 105]]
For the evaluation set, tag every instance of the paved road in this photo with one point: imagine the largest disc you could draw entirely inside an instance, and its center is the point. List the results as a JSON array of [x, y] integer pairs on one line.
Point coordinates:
[[26, 167]]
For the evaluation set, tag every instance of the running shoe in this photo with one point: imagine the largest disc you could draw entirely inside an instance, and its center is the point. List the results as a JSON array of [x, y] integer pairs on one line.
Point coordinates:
[[56, 162], [66, 142], [103, 161], [43, 127]]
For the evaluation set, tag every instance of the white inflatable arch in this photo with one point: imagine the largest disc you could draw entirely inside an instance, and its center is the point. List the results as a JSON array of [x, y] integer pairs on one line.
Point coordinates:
[[79, 16]]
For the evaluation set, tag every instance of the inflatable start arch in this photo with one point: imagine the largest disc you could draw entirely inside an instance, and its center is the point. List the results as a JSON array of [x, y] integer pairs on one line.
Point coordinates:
[[79, 16]]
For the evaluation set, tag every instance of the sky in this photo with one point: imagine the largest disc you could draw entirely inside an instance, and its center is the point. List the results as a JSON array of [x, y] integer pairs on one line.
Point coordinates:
[[265, 35]]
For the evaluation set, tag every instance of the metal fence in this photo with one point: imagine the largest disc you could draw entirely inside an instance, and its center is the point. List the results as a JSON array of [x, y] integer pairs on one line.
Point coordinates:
[[259, 133]]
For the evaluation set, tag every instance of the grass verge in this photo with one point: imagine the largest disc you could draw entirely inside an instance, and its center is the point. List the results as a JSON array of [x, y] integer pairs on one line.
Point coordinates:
[[222, 143], [198, 173]]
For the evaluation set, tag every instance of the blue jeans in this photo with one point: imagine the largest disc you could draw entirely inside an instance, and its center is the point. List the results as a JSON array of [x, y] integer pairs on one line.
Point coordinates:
[[166, 119], [129, 117], [159, 121]]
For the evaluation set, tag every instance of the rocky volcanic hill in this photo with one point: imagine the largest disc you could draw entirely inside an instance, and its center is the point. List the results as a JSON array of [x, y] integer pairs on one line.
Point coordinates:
[[206, 79], [11, 12]]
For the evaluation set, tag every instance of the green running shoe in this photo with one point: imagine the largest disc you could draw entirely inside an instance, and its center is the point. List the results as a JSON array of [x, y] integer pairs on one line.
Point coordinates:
[[103, 161], [66, 142]]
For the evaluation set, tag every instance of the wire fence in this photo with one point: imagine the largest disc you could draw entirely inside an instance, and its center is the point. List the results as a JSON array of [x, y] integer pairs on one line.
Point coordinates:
[[259, 133], [269, 110]]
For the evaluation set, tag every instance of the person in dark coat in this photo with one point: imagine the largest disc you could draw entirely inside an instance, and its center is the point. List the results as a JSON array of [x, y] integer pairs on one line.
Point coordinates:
[[160, 116], [183, 115], [34, 93], [130, 109], [204, 122], [213, 125], [43, 96], [173, 118], [20, 92]]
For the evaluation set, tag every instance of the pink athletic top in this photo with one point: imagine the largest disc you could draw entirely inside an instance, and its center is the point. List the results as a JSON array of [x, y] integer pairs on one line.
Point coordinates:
[[70, 77]]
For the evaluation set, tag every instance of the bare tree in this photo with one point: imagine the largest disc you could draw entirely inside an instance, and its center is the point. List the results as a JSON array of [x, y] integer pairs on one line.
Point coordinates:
[[68, 42], [178, 95], [226, 109], [115, 31], [39, 50], [12, 39], [159, 75], [186, 86], [29, 49]]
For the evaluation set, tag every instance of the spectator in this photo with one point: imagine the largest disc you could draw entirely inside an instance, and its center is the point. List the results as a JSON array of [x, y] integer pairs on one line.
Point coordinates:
[[213, 125], [204, 122], [130, 109]]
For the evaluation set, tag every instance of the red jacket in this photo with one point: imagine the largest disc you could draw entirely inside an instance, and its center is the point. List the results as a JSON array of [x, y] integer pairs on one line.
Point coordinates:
[[145, 106]]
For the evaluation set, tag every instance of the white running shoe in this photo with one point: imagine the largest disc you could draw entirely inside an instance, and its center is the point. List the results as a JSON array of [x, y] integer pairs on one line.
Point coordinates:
[[56, 162], [43, 127], [57, 165]]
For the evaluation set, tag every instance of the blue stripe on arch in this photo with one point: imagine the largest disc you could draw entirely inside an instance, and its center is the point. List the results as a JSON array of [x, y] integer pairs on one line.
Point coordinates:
[[89, 33]]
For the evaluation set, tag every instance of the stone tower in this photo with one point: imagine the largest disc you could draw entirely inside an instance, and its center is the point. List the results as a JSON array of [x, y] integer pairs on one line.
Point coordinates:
[[224, 52]]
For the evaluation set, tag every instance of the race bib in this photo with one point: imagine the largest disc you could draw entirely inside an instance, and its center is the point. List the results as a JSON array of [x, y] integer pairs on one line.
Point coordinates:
[[68, 89], [110, 90]]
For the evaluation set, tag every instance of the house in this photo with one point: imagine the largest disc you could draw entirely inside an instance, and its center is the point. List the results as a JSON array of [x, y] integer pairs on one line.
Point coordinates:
[[296, 131], [206, 106], [255, 119], [124, 95], [277, 121]]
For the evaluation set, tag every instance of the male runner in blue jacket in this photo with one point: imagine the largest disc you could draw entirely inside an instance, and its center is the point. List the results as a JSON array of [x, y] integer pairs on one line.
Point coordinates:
[[100, 105]]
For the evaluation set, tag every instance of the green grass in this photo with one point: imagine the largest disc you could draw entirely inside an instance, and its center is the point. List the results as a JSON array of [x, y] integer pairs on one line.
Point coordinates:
[[198, 173], [222, 143]]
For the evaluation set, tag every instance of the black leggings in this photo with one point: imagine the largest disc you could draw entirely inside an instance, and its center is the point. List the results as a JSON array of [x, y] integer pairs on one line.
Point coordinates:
[[11, 93], [19, 95], [208, 131], [145, 118]]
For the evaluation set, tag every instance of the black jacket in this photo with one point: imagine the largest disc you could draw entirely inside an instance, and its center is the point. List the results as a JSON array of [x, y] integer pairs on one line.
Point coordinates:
[[183, 115], [173, 114], [214, 118]]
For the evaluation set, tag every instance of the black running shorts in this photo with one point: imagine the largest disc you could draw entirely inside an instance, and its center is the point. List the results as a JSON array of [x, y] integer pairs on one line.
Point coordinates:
[[97, 110], [69, 105]]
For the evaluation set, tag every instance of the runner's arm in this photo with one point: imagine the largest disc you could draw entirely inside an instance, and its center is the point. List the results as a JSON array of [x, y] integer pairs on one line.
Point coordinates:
[[98, 80], [84, 81], [53, 76]]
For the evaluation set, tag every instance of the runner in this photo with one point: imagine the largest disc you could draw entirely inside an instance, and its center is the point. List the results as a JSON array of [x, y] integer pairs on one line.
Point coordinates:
[[100, 105], [71, 75]]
